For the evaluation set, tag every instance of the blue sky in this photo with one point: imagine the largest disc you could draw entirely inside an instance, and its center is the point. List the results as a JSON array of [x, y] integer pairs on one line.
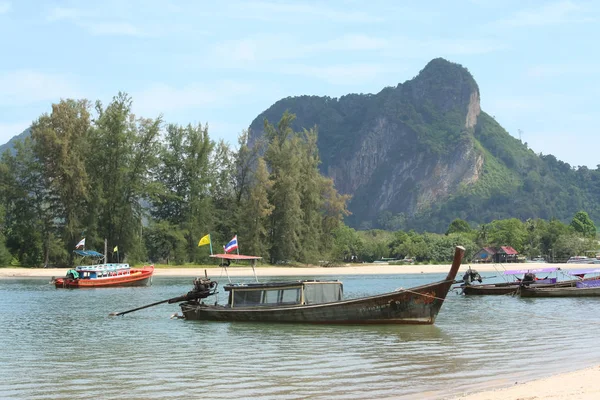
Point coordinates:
[[223, 63]]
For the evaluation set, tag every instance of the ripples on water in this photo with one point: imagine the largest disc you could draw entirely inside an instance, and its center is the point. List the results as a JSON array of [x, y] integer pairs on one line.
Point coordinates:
[[62, 344]]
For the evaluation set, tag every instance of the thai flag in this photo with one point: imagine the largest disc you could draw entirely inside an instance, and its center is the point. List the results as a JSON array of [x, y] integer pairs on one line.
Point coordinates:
[[81, 243], [232, 245]]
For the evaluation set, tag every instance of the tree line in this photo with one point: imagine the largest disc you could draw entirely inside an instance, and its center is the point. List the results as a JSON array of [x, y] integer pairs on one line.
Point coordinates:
[[153, 189], [553, 240]]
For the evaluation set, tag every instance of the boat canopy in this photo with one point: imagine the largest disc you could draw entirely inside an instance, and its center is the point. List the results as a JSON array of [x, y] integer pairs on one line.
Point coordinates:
[[583, 271], [102, 267], [88, 253], [235, 257], [529, 270]]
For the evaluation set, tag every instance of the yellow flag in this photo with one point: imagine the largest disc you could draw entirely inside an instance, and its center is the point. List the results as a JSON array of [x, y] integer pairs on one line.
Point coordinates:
[[116, 249], [204, 240]]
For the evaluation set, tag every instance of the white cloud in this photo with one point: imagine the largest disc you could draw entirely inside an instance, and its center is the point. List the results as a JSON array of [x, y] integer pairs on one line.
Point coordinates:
[[62, 13], [353, 42], [160, 97], [272, 10], [556, 70], [549, 14], [404, 47], [239, 53], [262, 49], [4, 7], [25, 87], [96, 22], [8, 130], [350, 74], [112, 28]]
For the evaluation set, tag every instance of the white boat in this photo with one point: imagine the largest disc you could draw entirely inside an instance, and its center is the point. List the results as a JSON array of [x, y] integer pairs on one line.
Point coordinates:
[[583, 260], [538, 260]]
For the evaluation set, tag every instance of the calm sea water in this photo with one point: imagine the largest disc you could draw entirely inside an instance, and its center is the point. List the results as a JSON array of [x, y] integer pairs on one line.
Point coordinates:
[[58, 343]]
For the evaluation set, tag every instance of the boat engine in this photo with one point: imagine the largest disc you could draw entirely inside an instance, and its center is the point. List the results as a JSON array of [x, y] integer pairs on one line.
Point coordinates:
[[528, 278], [471, 276], [203, 287]]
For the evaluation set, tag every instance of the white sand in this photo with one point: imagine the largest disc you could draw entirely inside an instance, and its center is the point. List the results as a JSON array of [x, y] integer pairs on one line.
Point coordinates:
[[579, 385]]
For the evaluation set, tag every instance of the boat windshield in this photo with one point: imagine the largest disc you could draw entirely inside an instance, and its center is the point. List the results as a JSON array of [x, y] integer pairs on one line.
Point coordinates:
[[266, 297], [322, 292], [283, 294]]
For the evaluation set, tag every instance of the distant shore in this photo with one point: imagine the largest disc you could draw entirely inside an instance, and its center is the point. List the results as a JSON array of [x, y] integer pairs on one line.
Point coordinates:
[[346, 269]]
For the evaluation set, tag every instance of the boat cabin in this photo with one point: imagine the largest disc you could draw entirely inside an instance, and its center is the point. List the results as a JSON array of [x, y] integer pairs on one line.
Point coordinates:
[[103, 271], [275, 294]]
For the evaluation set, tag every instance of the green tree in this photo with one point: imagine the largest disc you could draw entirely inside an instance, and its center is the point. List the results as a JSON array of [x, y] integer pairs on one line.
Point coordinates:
[[283, 158], [311, 198], [508, 232], [256, 211], [181, 190], [583, 224], [61, 142], [165, 243], [458, 225], [347, 244], [120, 175], [334, 209]]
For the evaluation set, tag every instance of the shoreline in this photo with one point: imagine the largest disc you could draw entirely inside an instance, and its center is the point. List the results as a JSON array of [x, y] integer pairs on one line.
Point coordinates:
[[581, 384], [347, 269]]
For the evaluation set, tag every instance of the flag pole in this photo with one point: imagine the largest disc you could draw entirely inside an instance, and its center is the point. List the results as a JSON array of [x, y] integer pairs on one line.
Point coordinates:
[[253, 270], [224, 266], [210, 244]]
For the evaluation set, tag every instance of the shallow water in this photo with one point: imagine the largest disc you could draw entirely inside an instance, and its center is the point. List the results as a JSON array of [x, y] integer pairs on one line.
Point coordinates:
[[62, 344]]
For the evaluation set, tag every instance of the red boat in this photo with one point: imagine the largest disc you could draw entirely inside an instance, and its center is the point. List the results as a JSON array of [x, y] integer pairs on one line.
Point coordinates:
[[105, 275]]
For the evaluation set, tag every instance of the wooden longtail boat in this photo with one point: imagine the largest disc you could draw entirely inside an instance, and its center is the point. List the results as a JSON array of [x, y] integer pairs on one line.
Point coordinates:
[[317, 302], [104, 274], [589, 287], [529, 279]]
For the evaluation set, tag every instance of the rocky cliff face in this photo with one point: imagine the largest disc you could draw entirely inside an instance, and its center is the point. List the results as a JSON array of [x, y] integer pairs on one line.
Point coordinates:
[[400, 150]]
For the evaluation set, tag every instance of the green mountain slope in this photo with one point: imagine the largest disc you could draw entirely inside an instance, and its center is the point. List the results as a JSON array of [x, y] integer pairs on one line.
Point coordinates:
[[9, 145], [421, 154]]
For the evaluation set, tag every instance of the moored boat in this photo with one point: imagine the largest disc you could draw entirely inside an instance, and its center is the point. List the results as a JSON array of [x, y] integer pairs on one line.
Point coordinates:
[[581, 287], [529, 279], [104, 274], [312, 301], [321, 302]]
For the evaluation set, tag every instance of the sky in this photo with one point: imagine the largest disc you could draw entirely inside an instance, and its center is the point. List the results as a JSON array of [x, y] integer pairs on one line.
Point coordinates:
[[223, 63]]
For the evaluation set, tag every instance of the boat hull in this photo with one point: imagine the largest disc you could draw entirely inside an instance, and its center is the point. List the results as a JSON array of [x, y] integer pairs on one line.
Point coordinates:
[[137, 277], [503, 288], [418, 305], [510, 287], [489, 290], [561, 292]]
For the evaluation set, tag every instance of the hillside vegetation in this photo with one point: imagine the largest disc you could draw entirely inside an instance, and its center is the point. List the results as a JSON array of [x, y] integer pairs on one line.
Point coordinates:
[[411, 159]]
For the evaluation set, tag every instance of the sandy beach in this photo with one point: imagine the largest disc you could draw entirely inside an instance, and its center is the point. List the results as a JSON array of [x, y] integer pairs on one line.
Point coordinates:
[[346, 269], [578, 385]]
